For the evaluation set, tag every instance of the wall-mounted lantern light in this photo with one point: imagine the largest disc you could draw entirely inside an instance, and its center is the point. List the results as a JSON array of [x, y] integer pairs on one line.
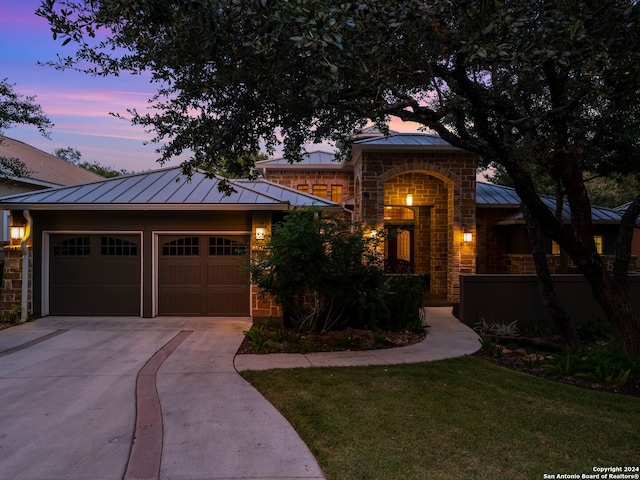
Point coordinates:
[[467, 237], [409, 200], [16, 231], [373, 234], [260, 233]]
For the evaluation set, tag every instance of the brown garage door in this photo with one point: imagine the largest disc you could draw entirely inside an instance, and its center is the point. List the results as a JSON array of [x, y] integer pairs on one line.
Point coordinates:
[[94, 274], [202, 275]]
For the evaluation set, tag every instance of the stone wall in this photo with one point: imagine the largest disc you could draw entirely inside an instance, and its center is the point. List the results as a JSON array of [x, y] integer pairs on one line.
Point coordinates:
[[263, 307], [295, 178], [522, 264], [11, 294]]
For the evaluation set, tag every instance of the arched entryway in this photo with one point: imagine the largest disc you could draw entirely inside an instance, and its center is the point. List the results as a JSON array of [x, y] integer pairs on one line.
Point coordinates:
[[418, 217]]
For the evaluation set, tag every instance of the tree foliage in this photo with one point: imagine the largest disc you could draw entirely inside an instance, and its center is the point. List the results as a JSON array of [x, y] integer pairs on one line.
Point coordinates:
[[527, 85], [17, 109], [325, 272], [74, 157]]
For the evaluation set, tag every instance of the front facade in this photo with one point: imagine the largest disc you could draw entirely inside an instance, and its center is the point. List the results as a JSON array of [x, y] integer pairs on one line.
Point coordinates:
[[416, 188], [157, 244]]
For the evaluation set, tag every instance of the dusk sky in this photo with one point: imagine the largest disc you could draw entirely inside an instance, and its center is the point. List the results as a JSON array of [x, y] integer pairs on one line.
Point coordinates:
[[78, 104]]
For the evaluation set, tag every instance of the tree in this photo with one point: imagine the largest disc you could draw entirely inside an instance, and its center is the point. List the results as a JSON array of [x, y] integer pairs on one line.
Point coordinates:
[[527, 85], [70, 155], [73, 156], [16, 109], [322, 270]]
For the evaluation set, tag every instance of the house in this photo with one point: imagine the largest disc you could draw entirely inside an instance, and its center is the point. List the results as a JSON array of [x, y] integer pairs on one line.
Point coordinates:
[[159, 244], [147, 244], [44, 171]]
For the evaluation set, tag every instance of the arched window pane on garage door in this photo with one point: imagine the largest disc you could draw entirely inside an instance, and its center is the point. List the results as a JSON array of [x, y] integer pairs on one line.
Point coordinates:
[[226, 247], [117, 247], [185, 246], [75, 246]]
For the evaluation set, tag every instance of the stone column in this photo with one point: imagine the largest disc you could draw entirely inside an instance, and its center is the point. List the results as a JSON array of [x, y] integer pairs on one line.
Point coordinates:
[[11, 295]]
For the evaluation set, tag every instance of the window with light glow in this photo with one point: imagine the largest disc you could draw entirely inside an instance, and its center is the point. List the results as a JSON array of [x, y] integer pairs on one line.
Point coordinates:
[[320, 191]]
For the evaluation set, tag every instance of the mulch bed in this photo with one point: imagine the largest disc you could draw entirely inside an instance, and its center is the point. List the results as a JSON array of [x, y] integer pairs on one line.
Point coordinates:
[[516, 362], [342, 341]]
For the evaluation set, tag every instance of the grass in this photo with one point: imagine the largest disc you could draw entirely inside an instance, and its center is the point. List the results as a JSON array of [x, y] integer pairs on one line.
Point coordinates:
[[458, 418]]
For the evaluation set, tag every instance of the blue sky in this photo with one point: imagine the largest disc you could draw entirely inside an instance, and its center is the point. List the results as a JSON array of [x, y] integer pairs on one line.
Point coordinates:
[[78, 104]]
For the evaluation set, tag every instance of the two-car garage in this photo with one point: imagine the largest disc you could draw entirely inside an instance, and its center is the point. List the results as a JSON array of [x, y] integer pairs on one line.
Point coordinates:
[[101, 274], [151, 244]]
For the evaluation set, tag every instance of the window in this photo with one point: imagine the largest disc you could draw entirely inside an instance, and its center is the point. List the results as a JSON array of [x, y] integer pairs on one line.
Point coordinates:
[[555, 248], [226, 247], [181, 247], [398, 213], [303, 188], [320, 191], [77, 246], [404, 245], [598, 239], [113, 246], [336, 193]]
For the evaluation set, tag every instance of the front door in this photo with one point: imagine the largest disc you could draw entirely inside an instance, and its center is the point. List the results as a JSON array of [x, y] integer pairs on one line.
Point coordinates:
[[399, 249]]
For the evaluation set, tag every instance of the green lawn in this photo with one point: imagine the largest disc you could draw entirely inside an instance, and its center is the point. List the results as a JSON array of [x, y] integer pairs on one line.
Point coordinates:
[[463, 418]]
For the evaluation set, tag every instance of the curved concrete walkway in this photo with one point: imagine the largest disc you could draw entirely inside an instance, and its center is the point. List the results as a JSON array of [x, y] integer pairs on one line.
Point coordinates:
[[113, 398], [447, 338]]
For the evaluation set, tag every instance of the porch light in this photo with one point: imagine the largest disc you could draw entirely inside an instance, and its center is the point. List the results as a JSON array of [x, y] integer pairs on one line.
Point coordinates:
[[409, 200], [467, 237], [260, 233], [16, 231]]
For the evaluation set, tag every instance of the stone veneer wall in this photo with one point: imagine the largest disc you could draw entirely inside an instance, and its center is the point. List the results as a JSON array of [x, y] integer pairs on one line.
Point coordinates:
[[263, 307], [522, 264], [293, 178], [457, 176], [11, 295], [491, 243], [430, 199]]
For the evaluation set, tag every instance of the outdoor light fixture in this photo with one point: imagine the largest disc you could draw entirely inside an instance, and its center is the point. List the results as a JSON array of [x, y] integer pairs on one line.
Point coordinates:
[[260, 233], [373, 234], [409, 200], [16, 231], [467, 237]]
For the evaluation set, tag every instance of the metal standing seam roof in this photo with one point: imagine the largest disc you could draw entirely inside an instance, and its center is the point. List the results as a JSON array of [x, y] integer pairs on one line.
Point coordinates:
[[406, 140], [490, 195], [315, 159], [162, 188]]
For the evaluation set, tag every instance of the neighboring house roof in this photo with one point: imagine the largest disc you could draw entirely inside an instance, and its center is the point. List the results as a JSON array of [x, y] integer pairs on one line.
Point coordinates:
[[316, 160], [490, 195], [166, 188], [44, 169]]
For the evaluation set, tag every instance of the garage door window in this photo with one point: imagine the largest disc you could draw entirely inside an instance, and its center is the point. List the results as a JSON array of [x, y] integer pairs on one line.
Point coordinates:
[[181, 247], [112, 246], [226, 247], [76, 246]]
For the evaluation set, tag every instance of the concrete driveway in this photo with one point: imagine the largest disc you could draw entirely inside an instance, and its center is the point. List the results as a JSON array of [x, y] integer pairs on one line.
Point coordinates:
[[132, 398]]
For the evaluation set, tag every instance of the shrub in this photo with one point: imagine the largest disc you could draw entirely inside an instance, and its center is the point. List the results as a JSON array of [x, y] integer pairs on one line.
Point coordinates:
[[404, 301]]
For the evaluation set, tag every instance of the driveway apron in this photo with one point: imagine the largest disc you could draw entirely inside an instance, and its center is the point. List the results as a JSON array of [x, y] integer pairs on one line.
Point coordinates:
[[68, 403]]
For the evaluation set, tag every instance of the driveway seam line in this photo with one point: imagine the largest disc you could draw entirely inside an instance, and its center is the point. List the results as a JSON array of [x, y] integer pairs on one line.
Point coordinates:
[[145, 458], [31, 343]]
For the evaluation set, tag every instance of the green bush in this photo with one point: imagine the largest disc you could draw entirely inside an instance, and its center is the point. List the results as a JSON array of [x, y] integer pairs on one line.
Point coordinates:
[[404, 302]]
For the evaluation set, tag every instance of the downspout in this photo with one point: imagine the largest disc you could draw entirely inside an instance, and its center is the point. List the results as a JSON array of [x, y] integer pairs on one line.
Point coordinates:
[[24, 313]]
